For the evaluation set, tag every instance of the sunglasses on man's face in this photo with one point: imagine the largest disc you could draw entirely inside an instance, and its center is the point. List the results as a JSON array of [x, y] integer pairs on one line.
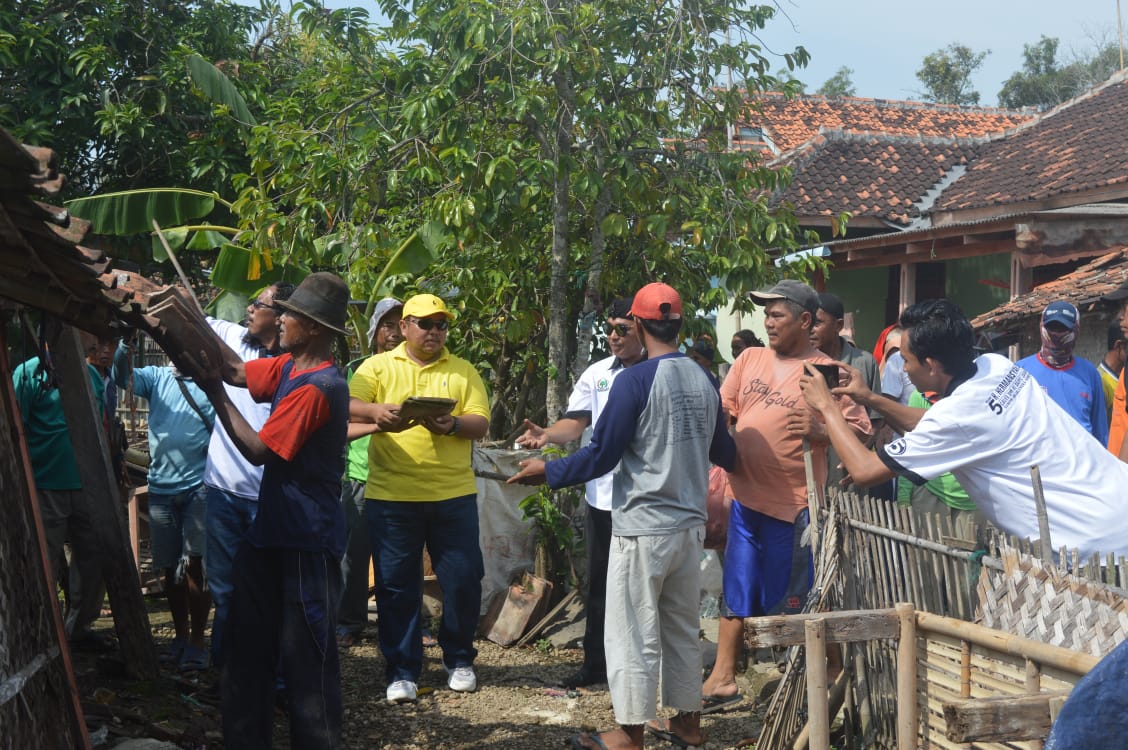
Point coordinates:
[[623, 329], [259, 305], [426, 324]]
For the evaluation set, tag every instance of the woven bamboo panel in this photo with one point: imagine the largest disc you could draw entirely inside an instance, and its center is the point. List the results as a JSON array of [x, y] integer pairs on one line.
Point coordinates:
[[1042, 603]]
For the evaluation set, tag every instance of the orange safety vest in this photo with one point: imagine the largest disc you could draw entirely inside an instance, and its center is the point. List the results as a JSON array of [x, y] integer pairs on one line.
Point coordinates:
[[1119, 423]]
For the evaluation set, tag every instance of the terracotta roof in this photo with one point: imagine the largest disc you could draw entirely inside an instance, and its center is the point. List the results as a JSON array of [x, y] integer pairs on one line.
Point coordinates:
[[1083, 287], [1079, 145], [785, 123], [41, 263], [869, 174]]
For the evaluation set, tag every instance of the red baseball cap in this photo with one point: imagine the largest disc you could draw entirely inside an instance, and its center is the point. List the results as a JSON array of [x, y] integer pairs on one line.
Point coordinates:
[[657, 302]]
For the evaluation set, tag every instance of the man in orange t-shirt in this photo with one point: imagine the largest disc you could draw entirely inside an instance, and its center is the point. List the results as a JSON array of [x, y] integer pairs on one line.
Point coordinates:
[[765, 569], [1118, 424]]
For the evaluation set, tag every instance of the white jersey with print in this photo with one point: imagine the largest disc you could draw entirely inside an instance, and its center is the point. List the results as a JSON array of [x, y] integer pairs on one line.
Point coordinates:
[[590, 395], [991, 430], [226, 469]]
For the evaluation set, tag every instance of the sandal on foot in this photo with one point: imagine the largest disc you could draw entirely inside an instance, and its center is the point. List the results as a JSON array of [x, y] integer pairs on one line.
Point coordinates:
[[193, 659], [347, 638], [711, 704], [171, 653], [576, 741], [661, 730]]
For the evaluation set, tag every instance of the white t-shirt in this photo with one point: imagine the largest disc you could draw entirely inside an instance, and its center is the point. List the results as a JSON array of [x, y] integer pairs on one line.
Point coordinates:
[[226, 469], [590, 395], [991, 430], [894, 382]]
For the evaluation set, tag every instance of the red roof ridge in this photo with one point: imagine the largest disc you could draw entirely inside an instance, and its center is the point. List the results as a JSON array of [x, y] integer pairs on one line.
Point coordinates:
[[896, 103]]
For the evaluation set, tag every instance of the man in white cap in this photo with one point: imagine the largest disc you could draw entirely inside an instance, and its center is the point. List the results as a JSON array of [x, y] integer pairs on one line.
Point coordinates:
[[421, 491], [383, 335], [1072, 382]]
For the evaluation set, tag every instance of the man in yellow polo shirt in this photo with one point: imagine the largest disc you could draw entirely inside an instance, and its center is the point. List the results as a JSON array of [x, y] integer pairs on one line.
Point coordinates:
[[421, 491]]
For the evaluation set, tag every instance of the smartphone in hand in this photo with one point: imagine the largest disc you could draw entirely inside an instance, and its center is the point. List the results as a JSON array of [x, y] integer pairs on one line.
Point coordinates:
[[829, 373]]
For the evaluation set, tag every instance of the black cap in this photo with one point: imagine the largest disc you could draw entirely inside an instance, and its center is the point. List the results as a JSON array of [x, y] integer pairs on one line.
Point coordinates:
[[832, 304]]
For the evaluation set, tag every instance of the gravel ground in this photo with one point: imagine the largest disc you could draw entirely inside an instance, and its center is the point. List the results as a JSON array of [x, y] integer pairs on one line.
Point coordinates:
[[516, 705]]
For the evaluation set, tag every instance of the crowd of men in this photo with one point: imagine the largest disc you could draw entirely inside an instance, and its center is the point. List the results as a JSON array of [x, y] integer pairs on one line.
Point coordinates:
[[277, 479]]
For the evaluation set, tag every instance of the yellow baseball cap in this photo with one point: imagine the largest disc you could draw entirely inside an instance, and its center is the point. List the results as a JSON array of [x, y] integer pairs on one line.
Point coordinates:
[[425, 305]]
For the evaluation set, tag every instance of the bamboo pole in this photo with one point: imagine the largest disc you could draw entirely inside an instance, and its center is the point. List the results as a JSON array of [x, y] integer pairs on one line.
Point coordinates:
[[1047, 549], [965, 669], [906, 678], [1071, 662], [818, 713], [176, 265]]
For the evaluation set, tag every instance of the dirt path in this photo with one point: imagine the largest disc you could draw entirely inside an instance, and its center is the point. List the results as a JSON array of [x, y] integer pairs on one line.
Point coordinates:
[[516, 706]]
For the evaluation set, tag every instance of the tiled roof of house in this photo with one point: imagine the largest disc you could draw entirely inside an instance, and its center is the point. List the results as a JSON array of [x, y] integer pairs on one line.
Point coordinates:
[[785, 123], [1079, 145], [1083, 287], [869, 174], [41, 263]]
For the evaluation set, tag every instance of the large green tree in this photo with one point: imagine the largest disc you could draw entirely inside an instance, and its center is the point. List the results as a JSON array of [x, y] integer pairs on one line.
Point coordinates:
[[839, 84], [105, 84], [946, 74]]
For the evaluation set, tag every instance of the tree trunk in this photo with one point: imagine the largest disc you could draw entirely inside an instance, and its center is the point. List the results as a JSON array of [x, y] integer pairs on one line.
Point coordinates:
[[91, 452], [556, 397], [588, 318]]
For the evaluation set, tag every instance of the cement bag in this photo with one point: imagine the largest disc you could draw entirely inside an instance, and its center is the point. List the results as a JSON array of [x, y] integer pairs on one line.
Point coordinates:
[[717, 504]]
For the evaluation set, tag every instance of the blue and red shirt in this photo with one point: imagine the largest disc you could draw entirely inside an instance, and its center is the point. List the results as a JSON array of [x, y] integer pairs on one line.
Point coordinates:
[[299, 500]]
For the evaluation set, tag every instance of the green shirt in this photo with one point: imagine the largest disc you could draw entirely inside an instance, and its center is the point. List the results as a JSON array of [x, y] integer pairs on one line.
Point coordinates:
[[45, 426], [944, 487]]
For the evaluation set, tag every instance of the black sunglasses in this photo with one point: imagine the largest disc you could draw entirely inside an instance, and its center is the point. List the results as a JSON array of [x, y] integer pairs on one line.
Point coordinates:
[[623, 329], [427, 324], [263, 306]]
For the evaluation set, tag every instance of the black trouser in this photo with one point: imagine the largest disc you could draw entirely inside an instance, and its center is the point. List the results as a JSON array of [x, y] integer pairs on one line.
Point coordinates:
[[597, 527], [284, 603]]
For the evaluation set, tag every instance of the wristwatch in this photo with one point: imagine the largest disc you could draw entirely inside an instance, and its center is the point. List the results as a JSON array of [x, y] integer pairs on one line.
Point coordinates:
[[454, 426]]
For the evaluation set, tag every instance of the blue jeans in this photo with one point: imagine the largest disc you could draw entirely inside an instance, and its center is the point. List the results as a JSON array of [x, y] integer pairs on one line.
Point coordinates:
[[282, 617], [352, 615], [228, 521], [449, 529]]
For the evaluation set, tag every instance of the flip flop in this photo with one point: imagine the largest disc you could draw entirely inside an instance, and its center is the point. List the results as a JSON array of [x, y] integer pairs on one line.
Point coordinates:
[[171, 653], [711, 704], [662, 731], [576, 741], [193, 659]]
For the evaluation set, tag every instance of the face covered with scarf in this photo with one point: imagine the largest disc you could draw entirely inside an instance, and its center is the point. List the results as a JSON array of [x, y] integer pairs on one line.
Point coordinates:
[[1060, 325]]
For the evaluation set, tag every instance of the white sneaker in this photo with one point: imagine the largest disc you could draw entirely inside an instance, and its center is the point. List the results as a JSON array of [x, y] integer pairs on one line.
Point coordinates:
[[402, 691], [462, 679]]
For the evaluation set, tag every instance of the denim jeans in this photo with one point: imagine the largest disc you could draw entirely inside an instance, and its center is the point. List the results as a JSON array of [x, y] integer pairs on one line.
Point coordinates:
[[352, 615], [449, 529], [228, 521], [282, 618]]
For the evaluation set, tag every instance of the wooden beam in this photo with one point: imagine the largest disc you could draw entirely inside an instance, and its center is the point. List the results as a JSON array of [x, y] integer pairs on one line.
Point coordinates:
[[907, 710], [818, 710], [845, 626], [1072, 662], [131, 619], [1000, 718]]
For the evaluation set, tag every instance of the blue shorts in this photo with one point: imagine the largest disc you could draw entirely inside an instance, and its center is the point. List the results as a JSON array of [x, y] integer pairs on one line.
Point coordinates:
[[765, 570], [177, 526]]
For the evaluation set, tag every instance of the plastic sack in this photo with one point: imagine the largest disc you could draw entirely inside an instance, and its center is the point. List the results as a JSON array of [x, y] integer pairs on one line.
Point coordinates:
[[717, 505]]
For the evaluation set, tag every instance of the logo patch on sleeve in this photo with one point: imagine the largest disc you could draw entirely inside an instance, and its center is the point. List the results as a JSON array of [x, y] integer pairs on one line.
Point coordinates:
[[896, 448]]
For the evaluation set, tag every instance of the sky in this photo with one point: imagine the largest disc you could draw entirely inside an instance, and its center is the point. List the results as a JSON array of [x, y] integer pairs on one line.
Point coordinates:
[[884, 41]]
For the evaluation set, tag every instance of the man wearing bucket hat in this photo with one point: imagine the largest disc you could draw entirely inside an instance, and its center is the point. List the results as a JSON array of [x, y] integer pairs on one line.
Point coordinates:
[[1072, 382], [287, 573], [383, 336], [421, 491], [662, 426]]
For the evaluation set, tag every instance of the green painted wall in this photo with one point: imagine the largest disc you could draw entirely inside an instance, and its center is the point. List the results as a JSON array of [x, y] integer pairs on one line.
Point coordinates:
[[863, 292], [972, 283]]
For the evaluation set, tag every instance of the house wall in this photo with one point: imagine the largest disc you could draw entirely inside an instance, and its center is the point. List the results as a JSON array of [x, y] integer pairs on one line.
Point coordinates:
[[978, 284], [863, 293]]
